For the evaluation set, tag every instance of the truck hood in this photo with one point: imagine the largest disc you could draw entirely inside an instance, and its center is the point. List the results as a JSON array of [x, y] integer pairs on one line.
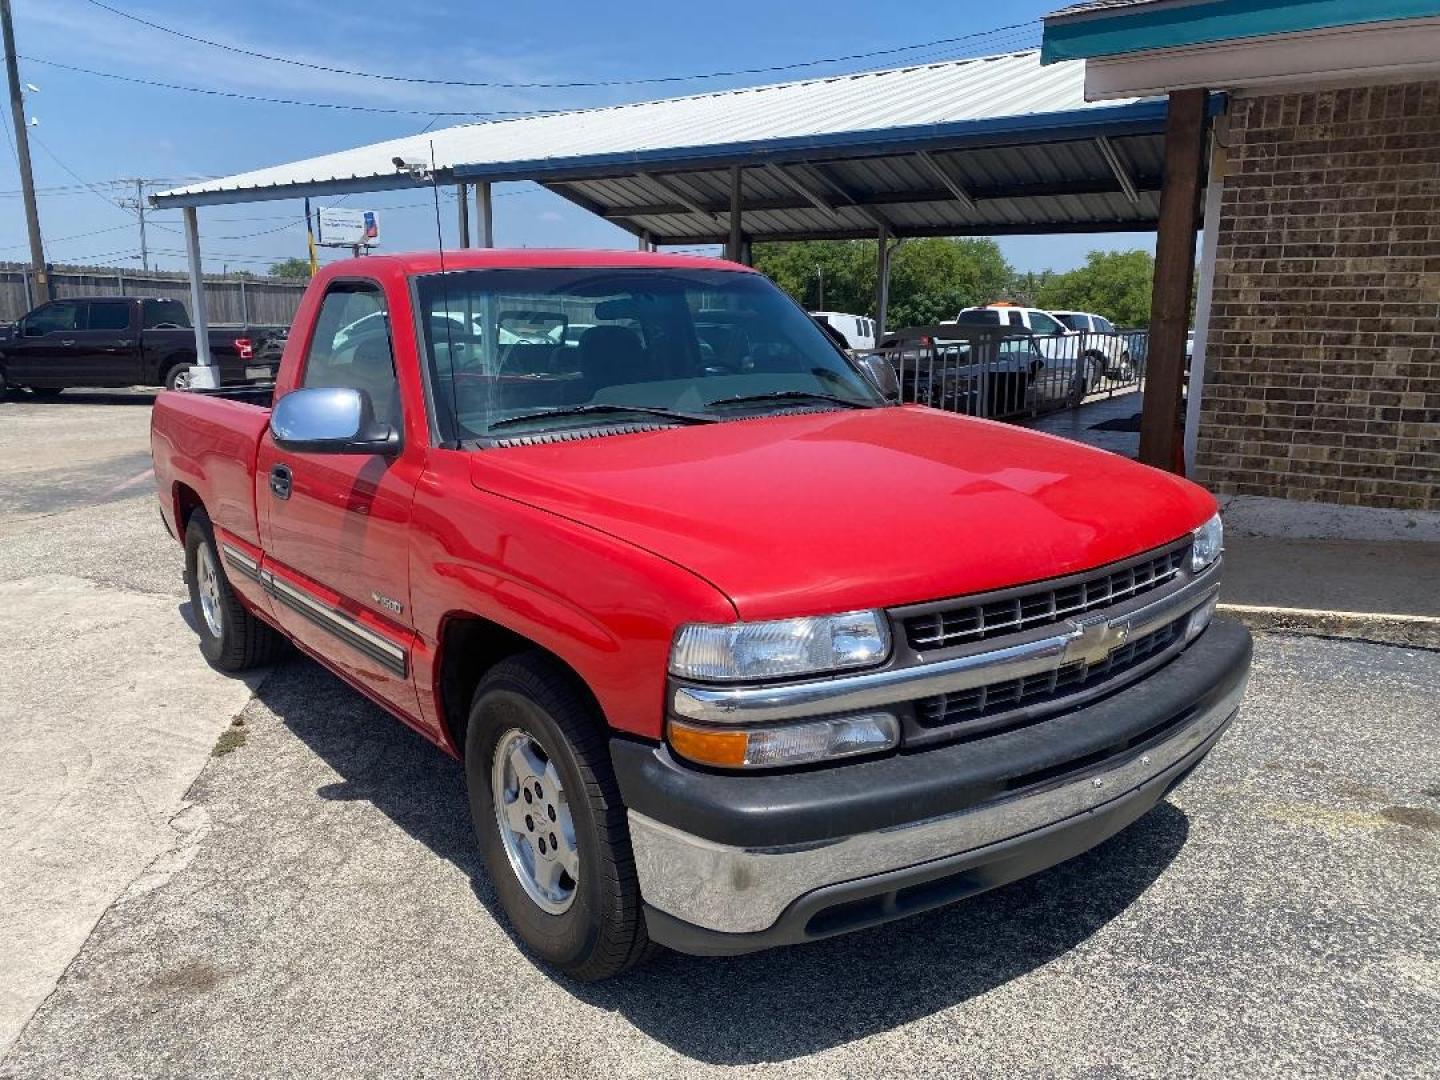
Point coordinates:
[[836, 511]]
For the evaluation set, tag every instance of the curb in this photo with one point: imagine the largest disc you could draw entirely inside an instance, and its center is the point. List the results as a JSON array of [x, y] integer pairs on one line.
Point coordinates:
[[1421, 631]]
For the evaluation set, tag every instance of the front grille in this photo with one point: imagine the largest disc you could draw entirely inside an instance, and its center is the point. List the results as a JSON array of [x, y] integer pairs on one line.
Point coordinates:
[[1042, 605], [982, 702]]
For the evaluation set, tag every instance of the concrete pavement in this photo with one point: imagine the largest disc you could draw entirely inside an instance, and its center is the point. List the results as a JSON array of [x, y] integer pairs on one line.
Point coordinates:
[[109, 712], [1274, 918]]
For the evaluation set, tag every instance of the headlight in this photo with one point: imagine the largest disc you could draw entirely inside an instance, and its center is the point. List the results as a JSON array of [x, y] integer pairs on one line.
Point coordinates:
[[785, 744], [1209, 541], [771, 650]]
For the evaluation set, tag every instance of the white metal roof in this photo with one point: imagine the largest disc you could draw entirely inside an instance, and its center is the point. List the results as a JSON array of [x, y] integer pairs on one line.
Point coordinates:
[[943, 99]]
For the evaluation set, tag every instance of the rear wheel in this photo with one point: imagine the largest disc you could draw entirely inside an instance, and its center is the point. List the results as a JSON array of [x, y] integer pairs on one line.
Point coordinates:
[[231, 638], [178, 377], [550, 822]]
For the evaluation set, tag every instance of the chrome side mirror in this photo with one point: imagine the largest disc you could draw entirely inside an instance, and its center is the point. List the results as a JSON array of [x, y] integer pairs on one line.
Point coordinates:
[[881, 374], [330, 420]]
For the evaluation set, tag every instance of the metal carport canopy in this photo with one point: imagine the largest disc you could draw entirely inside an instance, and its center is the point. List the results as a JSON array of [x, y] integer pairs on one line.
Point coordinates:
[[987, 146]]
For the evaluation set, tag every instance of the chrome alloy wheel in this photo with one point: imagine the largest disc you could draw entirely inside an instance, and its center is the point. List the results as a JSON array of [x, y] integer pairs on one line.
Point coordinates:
[[207, 582], [181, 381], [533, 814]]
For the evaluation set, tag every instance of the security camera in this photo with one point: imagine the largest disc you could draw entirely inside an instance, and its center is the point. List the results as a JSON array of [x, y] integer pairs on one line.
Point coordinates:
[[417, 168]]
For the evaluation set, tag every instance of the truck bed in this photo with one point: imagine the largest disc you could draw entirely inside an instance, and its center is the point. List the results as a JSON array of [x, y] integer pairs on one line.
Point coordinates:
[[261, 394], [204, 445]]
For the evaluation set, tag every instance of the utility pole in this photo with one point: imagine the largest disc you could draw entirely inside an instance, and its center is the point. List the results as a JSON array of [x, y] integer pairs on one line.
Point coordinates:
[[22, 151], [138, 205]]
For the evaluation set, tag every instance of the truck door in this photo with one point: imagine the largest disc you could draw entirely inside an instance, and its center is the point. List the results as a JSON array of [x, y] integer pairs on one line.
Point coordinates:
[[335, 527], [43, 351], [107, 350]]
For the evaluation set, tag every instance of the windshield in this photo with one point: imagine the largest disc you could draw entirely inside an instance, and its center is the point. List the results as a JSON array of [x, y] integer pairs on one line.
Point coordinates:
[[521, 352], [1074, 322]]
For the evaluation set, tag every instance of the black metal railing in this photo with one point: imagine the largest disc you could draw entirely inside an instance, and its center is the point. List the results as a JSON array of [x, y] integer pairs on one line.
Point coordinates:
[[1004, 372]]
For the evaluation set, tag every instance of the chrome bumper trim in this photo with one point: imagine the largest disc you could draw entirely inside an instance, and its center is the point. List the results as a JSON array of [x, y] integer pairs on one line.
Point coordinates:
[[1080, 639], [745, 890]]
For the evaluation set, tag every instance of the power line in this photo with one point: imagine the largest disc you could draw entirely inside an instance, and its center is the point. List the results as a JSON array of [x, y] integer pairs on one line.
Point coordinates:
[[73, 236], [650, 81], [235, 95]]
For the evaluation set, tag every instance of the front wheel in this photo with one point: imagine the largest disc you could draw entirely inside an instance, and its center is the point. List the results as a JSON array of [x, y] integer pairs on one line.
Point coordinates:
[[550, 821]]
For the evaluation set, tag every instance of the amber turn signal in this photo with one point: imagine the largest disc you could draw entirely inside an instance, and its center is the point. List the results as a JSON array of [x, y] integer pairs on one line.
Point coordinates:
[[708, 746], [785, 744]]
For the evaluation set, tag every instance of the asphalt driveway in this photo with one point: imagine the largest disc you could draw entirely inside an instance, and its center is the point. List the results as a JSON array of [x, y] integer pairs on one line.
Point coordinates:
[[319, 910]]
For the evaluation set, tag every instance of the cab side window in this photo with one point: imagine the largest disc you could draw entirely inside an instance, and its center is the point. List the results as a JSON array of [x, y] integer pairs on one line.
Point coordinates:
[[351, 347], [64, 315], [113, 315]]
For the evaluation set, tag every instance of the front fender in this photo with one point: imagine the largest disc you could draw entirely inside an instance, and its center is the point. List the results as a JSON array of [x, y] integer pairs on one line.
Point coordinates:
[[607, 608]]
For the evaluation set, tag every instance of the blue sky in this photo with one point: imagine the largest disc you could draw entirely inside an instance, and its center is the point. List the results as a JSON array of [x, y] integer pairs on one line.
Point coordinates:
[[98, 130]]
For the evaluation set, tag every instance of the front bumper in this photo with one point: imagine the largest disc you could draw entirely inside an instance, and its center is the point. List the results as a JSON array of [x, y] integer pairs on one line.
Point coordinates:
[[731, 863]]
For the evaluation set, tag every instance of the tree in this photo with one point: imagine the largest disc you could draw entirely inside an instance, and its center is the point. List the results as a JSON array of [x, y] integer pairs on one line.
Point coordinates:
[[843, 269], [295, 269], [1115, 284], [930, 280]]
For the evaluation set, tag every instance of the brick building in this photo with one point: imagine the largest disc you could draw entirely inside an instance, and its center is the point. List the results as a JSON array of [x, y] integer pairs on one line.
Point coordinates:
[[1317, 362]]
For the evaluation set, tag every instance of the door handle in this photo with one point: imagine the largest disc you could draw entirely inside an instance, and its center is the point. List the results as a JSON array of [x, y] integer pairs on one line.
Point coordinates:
[[281, 481], [70, 341]]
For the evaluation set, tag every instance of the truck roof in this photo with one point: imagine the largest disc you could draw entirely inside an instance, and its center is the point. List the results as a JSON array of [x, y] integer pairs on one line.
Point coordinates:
[[424, 262]]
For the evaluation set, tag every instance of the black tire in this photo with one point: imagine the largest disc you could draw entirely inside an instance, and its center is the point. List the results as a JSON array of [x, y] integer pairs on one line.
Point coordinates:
[[602, 933], [177, 376], [244, 641], [4, 386]]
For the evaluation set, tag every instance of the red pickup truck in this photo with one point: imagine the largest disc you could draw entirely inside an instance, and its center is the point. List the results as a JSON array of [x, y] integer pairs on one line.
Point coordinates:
[[736, 652]]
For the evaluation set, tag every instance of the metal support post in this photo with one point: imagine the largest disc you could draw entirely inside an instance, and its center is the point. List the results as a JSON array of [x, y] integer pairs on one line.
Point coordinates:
[[737, 236], [462, 205], [204, 375], [484, 215], [882, 281]]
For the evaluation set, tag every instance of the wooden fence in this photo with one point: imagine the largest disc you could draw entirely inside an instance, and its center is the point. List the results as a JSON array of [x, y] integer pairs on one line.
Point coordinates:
[[227, 299]]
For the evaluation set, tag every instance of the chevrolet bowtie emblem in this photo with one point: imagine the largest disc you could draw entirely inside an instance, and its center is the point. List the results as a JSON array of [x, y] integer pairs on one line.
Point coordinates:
[[1091, 642]]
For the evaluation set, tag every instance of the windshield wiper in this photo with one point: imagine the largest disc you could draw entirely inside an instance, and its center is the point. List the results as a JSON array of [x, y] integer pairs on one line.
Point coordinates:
[[599, 408], [790, 395]]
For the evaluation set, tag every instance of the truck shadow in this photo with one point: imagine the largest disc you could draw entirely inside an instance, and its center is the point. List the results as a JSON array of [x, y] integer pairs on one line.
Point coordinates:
[[766, 1007], [139, 396]]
